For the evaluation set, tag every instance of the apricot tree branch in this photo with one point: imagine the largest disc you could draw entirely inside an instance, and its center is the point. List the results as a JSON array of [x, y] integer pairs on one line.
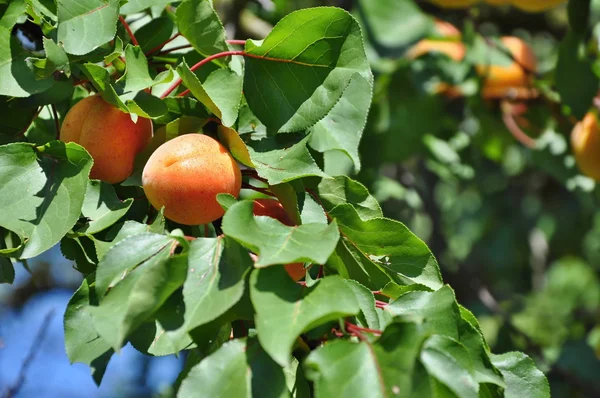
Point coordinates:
[[128, 29]]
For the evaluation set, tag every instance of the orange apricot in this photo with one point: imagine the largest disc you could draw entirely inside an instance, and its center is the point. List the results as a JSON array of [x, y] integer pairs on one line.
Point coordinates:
[[185, 175], [585, 143], [449, 45], [108, 134], [515, 80], [273, 208]]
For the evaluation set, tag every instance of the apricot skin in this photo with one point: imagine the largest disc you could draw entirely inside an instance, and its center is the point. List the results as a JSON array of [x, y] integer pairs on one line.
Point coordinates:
[[273, 208], [514, 80], [585, 143], [109, 135], [185, 175]]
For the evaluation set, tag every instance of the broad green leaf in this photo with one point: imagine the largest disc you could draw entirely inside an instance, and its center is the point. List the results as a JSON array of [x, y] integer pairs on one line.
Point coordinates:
[[137, 77], [368, 315], [16, 78], [285, 309], [344, 369], [311, 212], [438, 311], [240, 368], [56, 60], [41, 192], [474, 342], [449, 362], [126, 256], [232, 141], [394, 24], [393, 290], [276, 243], [341, 129], [215, 279], [199, 23], [133, 6], [100, 78], [82, 251], [13, 13], [339, 190], [82, 342], [390, 245], [102, 207], [121, 231], [297, 74], [221, 92], [7, 271], [147, 105], [522, 377], [137, 296], [284, 165], [154, 33], [85, 25], [573, 60]]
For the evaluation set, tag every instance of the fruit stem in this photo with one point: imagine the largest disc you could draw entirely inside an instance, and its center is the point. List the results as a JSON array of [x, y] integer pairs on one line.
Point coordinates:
[[128, 29], [512, 126], [355, 329], [206, 60], [161, 45], [237, 42]]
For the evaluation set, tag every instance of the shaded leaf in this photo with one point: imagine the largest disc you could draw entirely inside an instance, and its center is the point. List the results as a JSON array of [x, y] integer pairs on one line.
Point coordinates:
[[340, 190], [521, 376], [102, 207]]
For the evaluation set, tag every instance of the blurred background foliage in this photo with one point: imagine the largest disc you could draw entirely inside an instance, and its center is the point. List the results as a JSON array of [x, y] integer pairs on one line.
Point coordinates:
[[516, 229]]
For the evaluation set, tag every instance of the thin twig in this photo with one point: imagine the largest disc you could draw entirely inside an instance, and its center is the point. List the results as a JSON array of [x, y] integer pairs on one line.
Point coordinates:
[[13, 390], [129, 32], [237, 42], [161, 45]]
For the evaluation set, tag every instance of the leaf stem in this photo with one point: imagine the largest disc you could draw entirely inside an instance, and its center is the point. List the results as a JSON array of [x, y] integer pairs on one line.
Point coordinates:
[[237, 42], [128, 29], [161, 45], [355, 329], [206, 60], [508, 118]]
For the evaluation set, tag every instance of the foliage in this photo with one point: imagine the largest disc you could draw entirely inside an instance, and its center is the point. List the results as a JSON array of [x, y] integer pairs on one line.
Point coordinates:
[[373, 317]]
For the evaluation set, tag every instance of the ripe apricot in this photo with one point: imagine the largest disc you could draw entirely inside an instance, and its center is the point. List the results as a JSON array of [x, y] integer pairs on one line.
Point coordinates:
[[185, 175], [449, 45], [585, 142], [514, 80], [273, 208], [109, 135]]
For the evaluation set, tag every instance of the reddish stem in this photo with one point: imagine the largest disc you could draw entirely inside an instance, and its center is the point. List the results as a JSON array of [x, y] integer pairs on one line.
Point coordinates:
[[357, 329], [161, 45], [184, 93], [380, 293], [206, 60], [515, 130], [128, 29], [380, 304], [237, 42]]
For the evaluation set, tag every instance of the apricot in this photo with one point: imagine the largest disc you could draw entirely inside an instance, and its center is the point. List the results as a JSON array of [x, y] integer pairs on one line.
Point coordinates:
[[185, 175], [585, 143], [108, 134], [273, 208], [449, 45], [514, 80]]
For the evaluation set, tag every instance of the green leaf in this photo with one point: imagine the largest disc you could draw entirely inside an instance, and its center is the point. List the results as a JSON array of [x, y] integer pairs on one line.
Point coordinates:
[[137, 77], [449, 362], [573, 60], [340, 190], [391, 246], [341, 129], [283, 165], [221, 92], [7, 271], [41, 192], [522, 377], [344, 369], [82, 342], [285, 309], [232, 141], [438, 311], [133, 6], [56, 60], [16, 78], [85, 25], [154, 33], [137, 296], [102, 207], [393, 24], [199, 23], [297, 74], [368, 315], [100, 78], [240, 368], [127, 255], [276, 243]]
